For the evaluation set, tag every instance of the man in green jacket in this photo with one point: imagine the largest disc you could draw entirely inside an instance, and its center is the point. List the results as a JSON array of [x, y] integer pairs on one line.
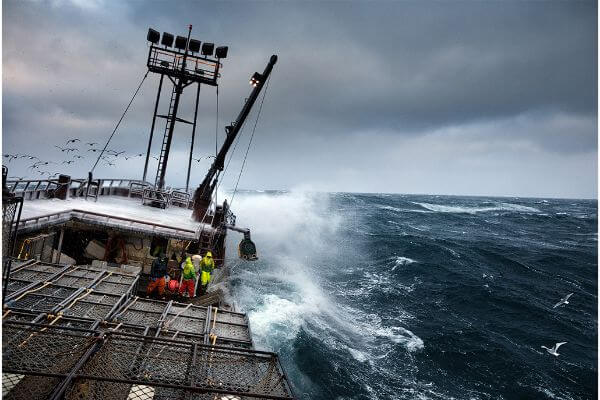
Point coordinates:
[[189, 278]]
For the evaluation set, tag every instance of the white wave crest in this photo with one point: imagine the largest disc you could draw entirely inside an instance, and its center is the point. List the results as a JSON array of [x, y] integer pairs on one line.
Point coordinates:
[[472, 210], [402, 336], [403, 261]]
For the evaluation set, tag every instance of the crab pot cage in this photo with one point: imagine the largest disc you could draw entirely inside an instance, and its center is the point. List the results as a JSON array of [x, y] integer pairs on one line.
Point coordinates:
[[78, 332], [11, 214], [47, 361]]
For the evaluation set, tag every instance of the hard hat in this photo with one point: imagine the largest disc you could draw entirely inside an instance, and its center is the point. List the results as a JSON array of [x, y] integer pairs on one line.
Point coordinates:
[[208, 254], [173, 285]]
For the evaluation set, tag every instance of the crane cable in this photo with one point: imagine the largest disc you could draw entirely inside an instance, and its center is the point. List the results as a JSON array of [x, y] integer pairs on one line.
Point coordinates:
[[121, 119], [250, 142], [217, 134]]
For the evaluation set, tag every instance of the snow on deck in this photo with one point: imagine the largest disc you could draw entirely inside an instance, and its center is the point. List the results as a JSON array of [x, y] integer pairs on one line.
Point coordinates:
[[117, 206]]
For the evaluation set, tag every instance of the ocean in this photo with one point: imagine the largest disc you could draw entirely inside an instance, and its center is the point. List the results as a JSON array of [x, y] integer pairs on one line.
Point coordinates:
[[369, 296]]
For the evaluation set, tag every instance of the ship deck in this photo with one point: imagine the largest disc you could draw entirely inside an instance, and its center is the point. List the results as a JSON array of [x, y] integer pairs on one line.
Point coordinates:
[[116, 212]]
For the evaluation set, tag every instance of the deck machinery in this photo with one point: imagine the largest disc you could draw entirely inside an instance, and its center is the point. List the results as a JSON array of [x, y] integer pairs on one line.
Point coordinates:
[[76, 258]]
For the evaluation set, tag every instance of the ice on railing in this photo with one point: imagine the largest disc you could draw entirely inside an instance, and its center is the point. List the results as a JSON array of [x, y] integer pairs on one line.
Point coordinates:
[[175, 217]]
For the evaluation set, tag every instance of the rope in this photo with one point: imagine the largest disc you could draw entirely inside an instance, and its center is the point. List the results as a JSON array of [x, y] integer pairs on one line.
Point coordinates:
[[116, 328], [250, 142], [120, 119], [129, 305], [55, 320], [216, 134], [215, 320], [101, 280], [88, 292], [217, 123], [169, 322], [32, 291]]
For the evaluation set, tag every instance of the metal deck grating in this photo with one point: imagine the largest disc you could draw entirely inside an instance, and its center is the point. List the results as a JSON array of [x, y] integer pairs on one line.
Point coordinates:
[[39, 360], [96, 342]]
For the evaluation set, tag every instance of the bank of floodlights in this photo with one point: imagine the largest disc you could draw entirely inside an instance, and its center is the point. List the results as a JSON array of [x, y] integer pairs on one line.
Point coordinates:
[[194, 46]]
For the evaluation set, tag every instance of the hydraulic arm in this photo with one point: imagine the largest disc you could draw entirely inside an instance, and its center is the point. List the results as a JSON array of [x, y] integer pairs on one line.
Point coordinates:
[[203, 194]]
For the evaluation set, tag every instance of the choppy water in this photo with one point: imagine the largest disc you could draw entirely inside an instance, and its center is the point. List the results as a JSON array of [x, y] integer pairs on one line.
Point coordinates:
[[429, 297]]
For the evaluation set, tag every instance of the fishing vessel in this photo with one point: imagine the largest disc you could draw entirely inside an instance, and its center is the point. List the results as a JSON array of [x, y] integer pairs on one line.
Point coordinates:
[[77, 253]]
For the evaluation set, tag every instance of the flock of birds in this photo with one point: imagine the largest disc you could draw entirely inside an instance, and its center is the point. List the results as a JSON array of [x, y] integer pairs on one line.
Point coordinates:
[[554, 349], [73, 154], [39, 166]]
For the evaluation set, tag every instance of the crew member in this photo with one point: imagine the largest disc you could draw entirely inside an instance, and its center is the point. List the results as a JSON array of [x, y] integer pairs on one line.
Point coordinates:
[[158, 272], [206, 265], [189, 278]]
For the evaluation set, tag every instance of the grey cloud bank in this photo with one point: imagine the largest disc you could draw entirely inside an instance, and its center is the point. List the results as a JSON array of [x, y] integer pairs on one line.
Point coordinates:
[[491, 98]]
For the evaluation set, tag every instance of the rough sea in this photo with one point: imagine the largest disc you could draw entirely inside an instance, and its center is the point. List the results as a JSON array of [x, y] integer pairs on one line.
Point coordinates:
[[422, 297]]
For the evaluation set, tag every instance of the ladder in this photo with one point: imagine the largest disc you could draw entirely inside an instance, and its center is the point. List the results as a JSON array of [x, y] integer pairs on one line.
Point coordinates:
[[163, 149]]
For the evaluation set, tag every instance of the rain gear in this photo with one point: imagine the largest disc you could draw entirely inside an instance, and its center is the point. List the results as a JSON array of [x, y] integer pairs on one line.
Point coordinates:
[[157, 275], [206, 265], [189, 272], [189, 278]]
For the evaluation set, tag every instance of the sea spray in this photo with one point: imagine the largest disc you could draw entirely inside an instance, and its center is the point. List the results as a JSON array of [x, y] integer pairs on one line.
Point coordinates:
[[360, 305]]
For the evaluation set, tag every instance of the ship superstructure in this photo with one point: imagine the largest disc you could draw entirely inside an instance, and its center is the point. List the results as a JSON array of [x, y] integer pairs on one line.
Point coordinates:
[[76, 257]]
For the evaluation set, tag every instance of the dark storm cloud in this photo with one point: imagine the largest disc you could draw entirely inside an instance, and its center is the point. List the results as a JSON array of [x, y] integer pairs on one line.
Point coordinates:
[[507, 73]]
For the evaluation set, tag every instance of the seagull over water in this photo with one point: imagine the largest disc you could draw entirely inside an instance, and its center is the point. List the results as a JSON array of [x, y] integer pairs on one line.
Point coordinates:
[[554, 349], [564, 300]]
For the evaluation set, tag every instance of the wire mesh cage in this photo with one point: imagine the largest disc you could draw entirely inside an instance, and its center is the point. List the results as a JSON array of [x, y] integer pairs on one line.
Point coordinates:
[[70, 360], [11, 207], [35, 359], [171, 369], [11, 214]]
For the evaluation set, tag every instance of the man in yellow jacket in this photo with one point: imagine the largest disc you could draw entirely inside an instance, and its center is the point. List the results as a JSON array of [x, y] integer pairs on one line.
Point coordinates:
[[206, 265]]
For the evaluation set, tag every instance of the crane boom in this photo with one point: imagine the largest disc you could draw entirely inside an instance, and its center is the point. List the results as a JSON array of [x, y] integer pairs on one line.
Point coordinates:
[[203, 194]]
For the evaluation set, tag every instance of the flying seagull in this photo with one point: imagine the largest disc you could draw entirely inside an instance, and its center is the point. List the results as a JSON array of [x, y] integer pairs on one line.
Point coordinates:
[[91, 144], [73, 140], [564, 300], [11, 156], [554, 349], [77, 156], [67, 149]]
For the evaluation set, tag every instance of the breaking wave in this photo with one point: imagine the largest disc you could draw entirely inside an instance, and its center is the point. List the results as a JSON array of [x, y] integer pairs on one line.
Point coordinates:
[[473, 210]]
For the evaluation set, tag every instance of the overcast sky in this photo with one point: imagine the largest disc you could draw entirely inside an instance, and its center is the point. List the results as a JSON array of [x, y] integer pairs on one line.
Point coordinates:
[[475, 98]]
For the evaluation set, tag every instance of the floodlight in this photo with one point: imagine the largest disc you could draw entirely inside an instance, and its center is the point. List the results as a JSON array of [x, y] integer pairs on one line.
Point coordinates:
[[221, 51], [255, 80], [207, 49], [180, 42], [167, 39], [194, 46], [153, 36]]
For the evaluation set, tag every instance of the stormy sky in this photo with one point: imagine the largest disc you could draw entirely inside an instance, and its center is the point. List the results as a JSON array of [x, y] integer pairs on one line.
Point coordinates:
[[473, 98]]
